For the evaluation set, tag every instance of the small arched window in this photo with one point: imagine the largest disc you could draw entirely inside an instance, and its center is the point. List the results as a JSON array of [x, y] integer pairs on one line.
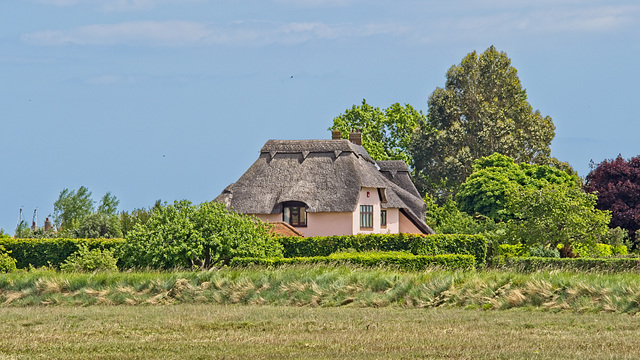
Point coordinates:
[[294, 213]]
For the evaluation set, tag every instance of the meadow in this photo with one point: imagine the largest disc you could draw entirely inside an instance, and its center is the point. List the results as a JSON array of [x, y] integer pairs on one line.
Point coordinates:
[[319, 311], [206, 331]]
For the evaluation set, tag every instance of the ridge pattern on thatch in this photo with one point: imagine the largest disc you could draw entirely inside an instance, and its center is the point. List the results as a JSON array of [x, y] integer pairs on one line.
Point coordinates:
[[398, 172], [326, 175]]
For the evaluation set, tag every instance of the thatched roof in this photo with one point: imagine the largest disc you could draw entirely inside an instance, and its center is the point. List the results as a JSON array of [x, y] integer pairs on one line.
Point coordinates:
[[326, 175]]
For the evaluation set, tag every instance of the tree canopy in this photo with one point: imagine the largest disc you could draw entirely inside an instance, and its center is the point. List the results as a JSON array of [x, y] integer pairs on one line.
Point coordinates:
[[72, 207], [386, 133], [486, 191], [482, 110], [555, 214], [616, 182]]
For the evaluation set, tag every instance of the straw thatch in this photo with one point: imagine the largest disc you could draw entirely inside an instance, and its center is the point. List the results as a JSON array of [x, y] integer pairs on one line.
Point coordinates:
[[326, 175]]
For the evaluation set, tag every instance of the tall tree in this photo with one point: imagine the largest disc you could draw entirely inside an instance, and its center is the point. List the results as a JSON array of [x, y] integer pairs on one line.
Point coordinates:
[[108, 204], [482, 110], [616, 182], [386, 133], [72, 207]]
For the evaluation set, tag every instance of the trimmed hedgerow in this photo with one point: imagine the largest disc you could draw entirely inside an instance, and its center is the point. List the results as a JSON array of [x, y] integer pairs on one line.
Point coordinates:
[[531, 264], [475, 245], [439, 244], [404, 261], [51, 252]]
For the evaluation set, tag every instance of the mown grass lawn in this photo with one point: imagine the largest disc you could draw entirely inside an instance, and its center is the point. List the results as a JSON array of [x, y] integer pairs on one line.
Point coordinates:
[[204, 331]]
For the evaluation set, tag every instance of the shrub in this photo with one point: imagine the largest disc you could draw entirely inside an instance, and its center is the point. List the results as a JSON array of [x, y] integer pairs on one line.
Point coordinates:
[[99, 225], [51, 252], [399, 260], [438, 244], [85, 260], [516, 250], [544, 251], [183, 235], [7, 263]]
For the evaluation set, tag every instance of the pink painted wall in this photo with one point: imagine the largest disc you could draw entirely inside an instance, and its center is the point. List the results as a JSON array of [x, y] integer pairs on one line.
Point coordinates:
[[407, 227], [327, 224], [319, 224]]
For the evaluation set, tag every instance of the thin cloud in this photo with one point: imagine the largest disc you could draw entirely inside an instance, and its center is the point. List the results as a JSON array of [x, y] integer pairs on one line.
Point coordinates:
[[185, 33], [117, 5]]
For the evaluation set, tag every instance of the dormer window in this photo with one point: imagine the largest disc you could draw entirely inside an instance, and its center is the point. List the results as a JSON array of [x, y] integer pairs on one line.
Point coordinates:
[[294, 213]]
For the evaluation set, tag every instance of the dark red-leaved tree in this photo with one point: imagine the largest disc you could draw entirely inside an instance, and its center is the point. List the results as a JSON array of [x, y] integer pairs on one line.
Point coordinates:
[[617, 183]]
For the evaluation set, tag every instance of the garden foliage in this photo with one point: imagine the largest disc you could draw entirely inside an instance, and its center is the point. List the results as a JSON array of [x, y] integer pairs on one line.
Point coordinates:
[[183, 235], [7, 263], [85, 260]]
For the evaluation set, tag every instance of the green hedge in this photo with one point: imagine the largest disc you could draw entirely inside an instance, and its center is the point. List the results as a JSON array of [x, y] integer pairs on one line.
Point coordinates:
[[45, 252], [530, 264], [439, 244], [402, 261]]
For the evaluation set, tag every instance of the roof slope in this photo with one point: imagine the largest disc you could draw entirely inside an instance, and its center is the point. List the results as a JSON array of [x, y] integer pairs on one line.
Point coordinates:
[[326, 175]]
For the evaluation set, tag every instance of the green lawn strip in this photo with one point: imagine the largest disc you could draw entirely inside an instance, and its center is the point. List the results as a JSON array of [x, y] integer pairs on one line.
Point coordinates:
[[205, 331]]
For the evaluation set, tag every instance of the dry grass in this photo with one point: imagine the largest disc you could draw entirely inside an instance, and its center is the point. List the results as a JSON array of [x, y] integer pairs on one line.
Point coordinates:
[[191, 331]]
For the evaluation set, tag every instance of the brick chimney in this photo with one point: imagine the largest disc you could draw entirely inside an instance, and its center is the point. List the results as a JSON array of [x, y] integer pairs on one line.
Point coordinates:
[[355, 137], [336, 135]]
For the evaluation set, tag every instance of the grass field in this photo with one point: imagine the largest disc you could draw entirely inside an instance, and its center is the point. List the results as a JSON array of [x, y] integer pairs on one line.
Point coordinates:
[[327, 286], [200, 331]]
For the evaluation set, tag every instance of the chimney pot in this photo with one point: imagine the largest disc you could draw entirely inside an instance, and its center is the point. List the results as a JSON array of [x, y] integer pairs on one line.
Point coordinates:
[[355, 137], [336, 135]]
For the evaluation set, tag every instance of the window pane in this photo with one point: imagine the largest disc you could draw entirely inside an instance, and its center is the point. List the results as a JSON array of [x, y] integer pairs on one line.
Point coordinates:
[[383, 218], [366, 216], [287, 215]]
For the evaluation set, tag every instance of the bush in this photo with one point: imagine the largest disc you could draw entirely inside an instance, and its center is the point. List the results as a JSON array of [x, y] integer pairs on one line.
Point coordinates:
[[398, 260], [85, 260], [99, 225], [51, 252], [7, 263], [516, 250], [544, 251], [183, 235], [439, 244], [532, 264]]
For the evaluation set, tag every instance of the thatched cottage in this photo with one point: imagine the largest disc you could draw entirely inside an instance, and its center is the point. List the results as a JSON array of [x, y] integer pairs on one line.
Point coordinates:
[[328, 187]]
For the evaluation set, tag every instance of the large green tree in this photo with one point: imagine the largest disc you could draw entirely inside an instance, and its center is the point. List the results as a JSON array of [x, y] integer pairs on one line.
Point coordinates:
[[72, 207], [555, 214], [386, 133], [482, 110], [494, 178]]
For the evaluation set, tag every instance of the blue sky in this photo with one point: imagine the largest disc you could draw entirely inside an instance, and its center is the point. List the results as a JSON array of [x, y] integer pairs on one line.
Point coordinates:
[[168, 99]]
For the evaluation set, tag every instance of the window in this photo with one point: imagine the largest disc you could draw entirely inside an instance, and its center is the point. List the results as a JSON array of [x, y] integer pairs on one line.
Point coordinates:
[[366, 216], [295, 214], [383, 218]]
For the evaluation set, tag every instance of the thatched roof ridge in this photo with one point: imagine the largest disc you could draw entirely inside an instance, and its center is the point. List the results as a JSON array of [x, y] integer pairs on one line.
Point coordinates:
[[398, 172], [306, 147]]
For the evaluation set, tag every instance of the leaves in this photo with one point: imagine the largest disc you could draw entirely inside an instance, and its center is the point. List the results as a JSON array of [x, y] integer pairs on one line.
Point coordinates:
[[482, 110], [617, 184], [186, 235], [386, 134]]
